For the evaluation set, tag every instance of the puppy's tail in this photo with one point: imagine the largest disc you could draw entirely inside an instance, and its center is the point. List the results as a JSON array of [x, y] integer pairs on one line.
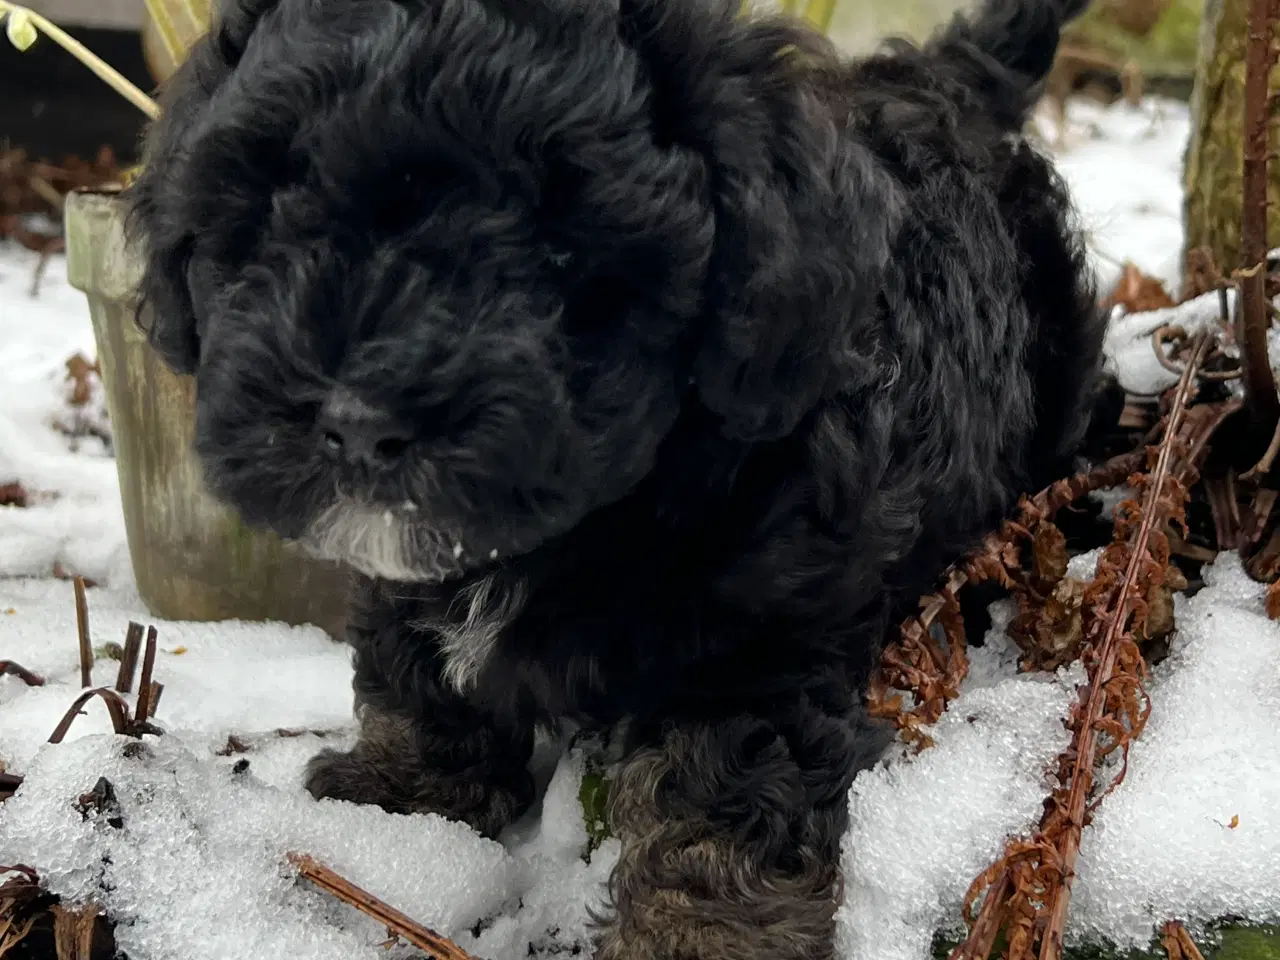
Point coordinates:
[[1004, 51]]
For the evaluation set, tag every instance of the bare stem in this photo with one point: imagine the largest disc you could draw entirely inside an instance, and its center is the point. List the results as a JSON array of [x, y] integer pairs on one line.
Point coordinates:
[[1086, 748], [1254, 319], [129, 661], [82, 630], [144, 708], [103, 70], [396, 922]]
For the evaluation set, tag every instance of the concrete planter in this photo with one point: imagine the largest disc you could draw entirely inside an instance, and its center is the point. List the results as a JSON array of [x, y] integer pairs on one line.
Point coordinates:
[[192, 558]]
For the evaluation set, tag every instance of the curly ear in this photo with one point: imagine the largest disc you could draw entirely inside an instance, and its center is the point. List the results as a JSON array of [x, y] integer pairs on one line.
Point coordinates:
[[803, 214], [155, 219]]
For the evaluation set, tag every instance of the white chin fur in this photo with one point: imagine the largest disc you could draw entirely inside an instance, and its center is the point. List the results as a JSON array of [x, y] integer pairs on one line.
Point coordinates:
[[379, 543]]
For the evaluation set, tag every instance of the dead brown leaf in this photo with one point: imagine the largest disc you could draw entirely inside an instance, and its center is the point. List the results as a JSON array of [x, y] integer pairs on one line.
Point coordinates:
[[1136, 17], [1050, 630], [1138, 292], [13, 494], [1273, 601], [1049, 554], [81, 372]]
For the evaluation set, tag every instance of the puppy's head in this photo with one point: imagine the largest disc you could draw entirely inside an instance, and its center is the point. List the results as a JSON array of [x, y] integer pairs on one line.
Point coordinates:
[[447, 271]]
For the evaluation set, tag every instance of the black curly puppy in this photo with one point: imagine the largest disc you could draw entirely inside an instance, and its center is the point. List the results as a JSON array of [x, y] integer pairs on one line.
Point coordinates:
[[646, 359]]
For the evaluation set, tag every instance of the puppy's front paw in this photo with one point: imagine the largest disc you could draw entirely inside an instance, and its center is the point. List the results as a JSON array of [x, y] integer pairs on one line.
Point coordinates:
[[399, 788], [334, 775]]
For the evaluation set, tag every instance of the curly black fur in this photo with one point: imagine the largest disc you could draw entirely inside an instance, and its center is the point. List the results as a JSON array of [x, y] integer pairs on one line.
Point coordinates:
[[647, 360]]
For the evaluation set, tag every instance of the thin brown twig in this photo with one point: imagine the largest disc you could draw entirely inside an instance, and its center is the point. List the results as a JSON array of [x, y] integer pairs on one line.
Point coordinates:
[[1051, 943], [1192, 551], [56, 245], [82, 630], [1108, 474], [396, 922], [46, 191], [1159, 337], [1225, 531], [1177, 942], [1218, 413], [1032, 907], [1172, 333]]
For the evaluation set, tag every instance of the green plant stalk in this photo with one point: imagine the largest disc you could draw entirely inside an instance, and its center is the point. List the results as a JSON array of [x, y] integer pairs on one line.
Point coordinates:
[[100, 67], [179, 24], [167, 29]]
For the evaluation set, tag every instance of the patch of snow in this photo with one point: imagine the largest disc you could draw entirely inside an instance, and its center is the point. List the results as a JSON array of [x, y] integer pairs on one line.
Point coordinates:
[[230, 677], [75, 519], [1123, 165], [923, 827], [203, 847], [1163, 844], [198, 869], [1130, 354]]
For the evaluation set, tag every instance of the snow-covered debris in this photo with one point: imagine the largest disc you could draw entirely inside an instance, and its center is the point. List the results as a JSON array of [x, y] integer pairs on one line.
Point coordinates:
[[1129, 351], [922, 828], [224, 678], [198, 868], [1194, 830], [1162, 845]]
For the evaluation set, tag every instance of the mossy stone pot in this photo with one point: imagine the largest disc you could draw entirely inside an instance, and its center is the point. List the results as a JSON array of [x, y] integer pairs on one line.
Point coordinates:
[[192, 557]]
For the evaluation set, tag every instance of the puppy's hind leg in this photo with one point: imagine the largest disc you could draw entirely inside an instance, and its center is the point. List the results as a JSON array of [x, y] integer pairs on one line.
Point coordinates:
[[730, 837], [422, 747]]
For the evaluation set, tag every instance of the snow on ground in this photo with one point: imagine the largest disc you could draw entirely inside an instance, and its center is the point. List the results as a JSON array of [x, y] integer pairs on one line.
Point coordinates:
[[77, 520], [198, 872], [1124, 167]]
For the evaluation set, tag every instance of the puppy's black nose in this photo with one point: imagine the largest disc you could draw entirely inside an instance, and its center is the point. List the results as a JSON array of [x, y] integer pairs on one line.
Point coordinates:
[[356, 432]]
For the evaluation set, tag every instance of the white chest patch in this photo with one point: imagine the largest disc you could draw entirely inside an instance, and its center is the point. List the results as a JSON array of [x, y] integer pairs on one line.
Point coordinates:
[[467, 642]]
